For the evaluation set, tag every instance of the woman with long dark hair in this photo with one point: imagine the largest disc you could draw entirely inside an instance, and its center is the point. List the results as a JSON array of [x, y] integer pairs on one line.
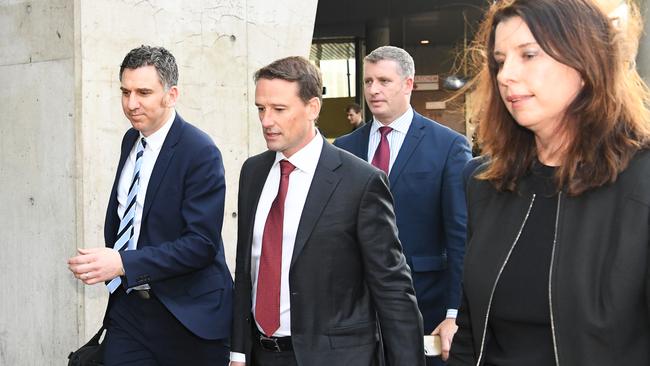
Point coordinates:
[[556, 268]]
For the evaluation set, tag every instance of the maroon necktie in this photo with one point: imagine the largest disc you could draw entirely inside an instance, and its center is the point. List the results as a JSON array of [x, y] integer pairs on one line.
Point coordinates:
[[382, 154], [267, 305]]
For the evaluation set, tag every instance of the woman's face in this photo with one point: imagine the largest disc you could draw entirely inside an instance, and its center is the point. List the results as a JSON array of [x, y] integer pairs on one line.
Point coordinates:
[[535, 88]]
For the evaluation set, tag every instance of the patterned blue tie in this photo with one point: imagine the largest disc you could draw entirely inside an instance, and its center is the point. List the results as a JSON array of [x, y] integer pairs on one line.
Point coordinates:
[[125, 239]]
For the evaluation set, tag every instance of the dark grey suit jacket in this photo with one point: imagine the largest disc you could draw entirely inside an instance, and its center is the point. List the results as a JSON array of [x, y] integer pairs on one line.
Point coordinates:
[[351, 291]]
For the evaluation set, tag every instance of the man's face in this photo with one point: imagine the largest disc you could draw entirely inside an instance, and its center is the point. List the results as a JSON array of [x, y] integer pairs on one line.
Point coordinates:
[[145, 102], [353, 117], [387, 92], [287, 121]]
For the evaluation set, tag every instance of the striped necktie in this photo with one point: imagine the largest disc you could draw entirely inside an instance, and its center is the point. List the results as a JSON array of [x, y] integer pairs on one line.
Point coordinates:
[[125, 240]]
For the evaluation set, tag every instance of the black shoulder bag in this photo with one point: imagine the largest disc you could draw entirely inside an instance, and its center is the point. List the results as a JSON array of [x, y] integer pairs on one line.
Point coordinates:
[[90, 354]]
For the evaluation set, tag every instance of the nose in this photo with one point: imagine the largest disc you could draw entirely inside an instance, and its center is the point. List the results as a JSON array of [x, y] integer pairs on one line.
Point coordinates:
[[265, 119], [372, 88], [509, 72], [132, 102]]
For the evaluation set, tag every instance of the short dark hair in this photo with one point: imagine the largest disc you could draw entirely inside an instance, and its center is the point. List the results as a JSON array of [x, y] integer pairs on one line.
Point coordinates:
[[295, 69], [353, 106], [158, 57]]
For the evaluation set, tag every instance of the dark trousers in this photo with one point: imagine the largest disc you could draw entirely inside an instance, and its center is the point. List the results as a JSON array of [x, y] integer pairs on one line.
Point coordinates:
[[143, 332], [262, 357], [435, 361]]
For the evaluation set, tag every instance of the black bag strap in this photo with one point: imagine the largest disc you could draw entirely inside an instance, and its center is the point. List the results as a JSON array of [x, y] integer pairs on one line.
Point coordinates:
[[94, 341]]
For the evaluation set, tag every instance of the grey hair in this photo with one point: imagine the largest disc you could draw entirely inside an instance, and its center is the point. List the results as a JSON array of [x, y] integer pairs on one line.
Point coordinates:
[[158, 57], [405, 64]]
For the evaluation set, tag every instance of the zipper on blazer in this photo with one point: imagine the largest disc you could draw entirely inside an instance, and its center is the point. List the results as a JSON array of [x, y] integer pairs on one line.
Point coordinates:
[[550, 275], [496, 281]]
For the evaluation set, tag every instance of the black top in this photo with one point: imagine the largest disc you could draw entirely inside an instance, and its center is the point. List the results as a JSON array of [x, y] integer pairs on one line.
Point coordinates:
[[600, 271], [519, 328]]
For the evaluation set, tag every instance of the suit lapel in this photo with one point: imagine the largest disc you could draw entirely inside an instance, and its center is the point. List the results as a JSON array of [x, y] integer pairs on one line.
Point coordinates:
[[411, 141], [162, 162], [127, 145], [362, 142], [260, 172], [129, 140], [112, 219], [322, 186]]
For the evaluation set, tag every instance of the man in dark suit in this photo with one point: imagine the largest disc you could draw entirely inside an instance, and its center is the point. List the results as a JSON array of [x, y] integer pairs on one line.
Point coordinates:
[[171, 292], [353, 114], [424, 162], [321, 279]]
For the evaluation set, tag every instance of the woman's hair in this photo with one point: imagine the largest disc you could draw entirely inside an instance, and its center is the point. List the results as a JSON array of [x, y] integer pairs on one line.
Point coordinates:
[[605, 124]]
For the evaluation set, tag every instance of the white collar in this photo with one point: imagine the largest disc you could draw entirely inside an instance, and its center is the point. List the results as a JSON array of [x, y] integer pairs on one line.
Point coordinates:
[[305, 159], [156, 139]]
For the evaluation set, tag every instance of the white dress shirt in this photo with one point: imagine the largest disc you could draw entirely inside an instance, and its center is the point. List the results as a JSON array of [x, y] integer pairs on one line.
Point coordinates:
[[395, 138], [149, 156], [305, 161]]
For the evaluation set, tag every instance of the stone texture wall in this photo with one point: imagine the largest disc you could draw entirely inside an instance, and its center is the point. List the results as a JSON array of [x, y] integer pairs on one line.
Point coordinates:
[[62, 125]]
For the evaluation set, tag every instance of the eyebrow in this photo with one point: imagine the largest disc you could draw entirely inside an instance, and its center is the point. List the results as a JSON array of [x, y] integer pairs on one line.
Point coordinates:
[[273, 105], [523, 45], [137, 89]]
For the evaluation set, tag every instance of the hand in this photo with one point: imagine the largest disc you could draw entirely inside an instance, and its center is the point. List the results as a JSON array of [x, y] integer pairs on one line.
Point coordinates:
[[233, 363], [95, 265], [446, 331]]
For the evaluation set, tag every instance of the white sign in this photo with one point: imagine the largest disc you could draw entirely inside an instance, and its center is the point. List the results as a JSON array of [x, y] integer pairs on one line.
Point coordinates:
[[426, 86], [426, 78], [435, 105]]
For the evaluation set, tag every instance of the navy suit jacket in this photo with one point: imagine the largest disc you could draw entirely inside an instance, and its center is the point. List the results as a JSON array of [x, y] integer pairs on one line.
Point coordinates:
[[427, 185], [180, 253]]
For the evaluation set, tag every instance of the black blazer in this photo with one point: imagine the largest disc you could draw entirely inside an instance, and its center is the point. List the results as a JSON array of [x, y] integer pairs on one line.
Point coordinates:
[[598, 279], [349, 281]]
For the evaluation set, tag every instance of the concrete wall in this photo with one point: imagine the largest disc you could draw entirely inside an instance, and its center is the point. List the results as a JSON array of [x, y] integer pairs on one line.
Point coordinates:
[[62, 124], [39, 301], [643, 57]]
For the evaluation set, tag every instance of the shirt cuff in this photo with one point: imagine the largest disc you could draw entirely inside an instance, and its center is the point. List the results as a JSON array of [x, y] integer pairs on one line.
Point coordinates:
[[237, 357], [452, 313]]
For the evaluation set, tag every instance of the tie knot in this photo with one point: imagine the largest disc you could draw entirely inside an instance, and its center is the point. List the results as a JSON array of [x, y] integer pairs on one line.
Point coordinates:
[[286, 167], [144, 142], [385, 130]]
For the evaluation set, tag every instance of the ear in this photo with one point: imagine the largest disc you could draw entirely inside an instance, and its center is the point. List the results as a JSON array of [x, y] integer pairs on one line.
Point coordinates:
[[313, 108], [171, 96], [409, 84]]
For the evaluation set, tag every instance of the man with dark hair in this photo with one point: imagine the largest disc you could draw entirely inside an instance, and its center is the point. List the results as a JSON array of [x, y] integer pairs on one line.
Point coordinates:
[[353, 114], [164, 265], [424, 162], [321, 279]]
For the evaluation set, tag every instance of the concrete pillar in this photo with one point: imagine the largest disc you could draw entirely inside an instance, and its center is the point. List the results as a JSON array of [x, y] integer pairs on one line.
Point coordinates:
[[643, 57], [62, 125], [39, 301], [377, 34]]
